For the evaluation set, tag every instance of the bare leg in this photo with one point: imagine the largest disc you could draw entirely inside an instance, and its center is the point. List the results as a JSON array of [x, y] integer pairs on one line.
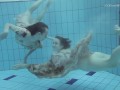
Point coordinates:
[[41, 15], [26, 17], [35, 6], [30, 52]]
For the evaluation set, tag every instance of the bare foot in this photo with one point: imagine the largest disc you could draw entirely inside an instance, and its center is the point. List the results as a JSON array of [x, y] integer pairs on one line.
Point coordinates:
[[88, 37], [82, 44], [85, 40]]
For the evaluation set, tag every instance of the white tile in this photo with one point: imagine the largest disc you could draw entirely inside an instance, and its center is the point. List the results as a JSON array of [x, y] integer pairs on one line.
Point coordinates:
[[85, 82], [63, 87], [8, 84], [110, 87]]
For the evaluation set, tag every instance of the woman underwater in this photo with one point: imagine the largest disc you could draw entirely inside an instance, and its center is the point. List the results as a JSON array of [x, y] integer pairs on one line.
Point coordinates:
[[29, 32], [63, 59]]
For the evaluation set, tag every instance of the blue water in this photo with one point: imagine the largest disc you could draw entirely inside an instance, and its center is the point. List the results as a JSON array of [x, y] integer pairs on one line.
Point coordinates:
[[71, 19]]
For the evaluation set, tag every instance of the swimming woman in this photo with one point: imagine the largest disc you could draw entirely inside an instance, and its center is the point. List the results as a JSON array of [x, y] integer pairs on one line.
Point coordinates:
[[29, 32], [80, 57]]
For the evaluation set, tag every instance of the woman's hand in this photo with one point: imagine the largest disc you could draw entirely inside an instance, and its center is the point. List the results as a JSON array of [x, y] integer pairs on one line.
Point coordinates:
[[7, 26], [55, 58], [58, 60], [4, 34]]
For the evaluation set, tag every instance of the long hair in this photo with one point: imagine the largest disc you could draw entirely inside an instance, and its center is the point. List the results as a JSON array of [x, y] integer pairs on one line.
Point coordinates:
[[65, 42], [37, 27]]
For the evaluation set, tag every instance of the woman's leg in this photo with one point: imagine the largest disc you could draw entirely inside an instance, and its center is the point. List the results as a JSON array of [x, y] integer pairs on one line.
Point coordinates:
[[35, 5], [30, 52], [26, 17], [43, 12]]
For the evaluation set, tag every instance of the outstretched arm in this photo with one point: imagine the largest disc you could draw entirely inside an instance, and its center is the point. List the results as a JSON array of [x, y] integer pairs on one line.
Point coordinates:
[[4, 34], [19, 30], [20, 66], [81, 49], [14, 28], [29, 53]]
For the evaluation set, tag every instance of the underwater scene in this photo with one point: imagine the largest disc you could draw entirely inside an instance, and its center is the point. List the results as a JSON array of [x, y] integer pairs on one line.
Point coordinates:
[[59, 44]]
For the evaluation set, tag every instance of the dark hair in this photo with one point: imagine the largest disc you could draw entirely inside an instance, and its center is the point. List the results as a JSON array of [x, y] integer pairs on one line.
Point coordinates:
[[64, 41], [37, 27]]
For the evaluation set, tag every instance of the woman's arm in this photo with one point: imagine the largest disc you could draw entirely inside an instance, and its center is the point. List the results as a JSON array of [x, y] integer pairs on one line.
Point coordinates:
[[60, 59], [4, 34], [20, 66], [82, 50], [8, 27], [19, 30], [29, 53]]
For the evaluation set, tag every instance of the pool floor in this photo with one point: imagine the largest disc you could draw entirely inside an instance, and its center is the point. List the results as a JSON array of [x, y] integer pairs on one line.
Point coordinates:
[[75, 80]]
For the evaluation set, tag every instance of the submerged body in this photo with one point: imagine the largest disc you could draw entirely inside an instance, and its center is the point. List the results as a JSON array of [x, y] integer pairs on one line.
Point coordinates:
[[100, 61], [38, 32], [28, 31], [95, 62], [79, 58], [53, 68], [25, 19]]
